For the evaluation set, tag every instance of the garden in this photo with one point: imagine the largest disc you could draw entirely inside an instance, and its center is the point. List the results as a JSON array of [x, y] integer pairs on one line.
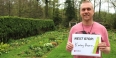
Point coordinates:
[[35, 46], [40, 28], [47, 45]]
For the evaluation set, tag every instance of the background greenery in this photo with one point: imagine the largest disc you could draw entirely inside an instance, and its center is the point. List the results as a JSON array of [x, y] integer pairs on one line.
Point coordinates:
[[15, 27], [27, 20], [60, 13]]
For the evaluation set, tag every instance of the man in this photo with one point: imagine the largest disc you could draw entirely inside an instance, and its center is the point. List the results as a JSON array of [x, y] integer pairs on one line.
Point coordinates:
[[88, 26]]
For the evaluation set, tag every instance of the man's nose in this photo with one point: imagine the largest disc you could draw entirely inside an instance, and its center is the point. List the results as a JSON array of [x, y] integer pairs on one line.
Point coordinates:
[[86, 10]]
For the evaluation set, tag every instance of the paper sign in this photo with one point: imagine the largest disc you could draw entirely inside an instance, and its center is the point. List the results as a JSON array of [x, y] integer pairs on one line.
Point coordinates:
[[86, 44]]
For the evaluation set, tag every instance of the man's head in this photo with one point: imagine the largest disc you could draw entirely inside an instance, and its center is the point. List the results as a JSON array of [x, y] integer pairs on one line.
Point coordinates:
[[86, 10]]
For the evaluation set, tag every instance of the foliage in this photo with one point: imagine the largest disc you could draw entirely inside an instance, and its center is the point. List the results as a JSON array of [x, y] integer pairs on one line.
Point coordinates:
[[59, 52], [21, 8], [15, 27], [35, 46], [18, 43], [70, 12], [4, 48], [107, 19], [114, 22], [57, 18], [47, 9], [44, 46]]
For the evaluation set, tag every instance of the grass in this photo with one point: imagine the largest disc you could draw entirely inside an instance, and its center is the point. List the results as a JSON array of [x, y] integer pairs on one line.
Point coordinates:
[[59, 51], [112, 39], [18, 49], [13, 53]]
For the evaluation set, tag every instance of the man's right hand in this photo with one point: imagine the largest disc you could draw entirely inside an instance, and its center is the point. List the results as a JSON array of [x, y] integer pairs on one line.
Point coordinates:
[[69, 46]]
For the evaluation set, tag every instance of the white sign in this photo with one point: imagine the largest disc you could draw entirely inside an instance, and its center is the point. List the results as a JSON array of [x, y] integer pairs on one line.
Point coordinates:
[[86, 44]]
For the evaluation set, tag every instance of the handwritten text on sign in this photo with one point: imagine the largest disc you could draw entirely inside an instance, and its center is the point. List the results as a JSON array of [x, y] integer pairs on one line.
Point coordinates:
[[86, 44]]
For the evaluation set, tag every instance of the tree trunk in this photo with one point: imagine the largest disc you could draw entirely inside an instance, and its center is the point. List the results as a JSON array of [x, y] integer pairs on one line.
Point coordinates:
[[19, 8], [99, 10], [108, 6], [46, 9], [9, 8]]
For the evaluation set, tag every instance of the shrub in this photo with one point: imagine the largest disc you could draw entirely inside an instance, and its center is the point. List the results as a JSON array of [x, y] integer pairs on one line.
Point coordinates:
[[16, 27], [4, 48]]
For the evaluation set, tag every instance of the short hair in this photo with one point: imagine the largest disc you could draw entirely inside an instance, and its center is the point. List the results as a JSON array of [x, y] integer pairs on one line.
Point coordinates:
[[87, 1]]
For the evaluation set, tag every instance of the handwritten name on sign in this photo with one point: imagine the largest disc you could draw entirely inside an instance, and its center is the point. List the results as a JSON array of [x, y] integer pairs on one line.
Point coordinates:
[[86, 44]]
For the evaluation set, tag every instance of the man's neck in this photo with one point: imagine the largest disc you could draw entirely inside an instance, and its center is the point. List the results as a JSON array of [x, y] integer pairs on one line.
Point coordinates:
[[90, 22]]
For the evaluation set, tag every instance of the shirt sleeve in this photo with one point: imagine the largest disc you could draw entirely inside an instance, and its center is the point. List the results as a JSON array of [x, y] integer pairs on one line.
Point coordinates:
[[105, 37], [70, 36]]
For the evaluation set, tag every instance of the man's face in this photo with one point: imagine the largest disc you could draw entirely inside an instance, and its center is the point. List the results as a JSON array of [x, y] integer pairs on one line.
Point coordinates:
[[86, 11]]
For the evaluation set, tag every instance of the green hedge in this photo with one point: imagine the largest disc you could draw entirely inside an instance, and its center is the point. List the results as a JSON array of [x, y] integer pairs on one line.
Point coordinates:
[[15, 27]]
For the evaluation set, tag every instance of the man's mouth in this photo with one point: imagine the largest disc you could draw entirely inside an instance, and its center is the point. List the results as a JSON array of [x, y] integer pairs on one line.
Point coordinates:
[[86, 15]]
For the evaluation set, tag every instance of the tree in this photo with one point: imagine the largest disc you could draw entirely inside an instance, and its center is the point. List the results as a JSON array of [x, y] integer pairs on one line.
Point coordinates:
[[19, 2], [47, 4], [70, 11], [1, 7], [113, 2], [46, 8], [108, 5], [99, 9]]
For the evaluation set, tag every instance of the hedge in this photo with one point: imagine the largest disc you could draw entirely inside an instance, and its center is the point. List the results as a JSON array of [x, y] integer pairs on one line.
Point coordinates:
[[16, 27]]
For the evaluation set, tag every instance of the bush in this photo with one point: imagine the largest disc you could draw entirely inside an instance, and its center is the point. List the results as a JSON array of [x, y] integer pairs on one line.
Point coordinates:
[[16, 27], [4, 48]]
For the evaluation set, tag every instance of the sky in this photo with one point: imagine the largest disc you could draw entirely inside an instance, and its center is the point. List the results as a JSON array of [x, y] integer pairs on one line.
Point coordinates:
[[104, 7]]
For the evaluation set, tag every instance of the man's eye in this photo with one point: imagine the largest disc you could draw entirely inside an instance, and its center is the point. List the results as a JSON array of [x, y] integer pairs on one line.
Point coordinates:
[[83, 9], [88, 9]]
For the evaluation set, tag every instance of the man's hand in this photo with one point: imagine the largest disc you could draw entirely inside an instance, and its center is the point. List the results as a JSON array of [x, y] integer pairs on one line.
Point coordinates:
[[69, 46], [103, 47]]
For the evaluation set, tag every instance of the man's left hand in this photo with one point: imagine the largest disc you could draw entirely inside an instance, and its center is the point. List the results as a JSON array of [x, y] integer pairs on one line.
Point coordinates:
[[102, 46]]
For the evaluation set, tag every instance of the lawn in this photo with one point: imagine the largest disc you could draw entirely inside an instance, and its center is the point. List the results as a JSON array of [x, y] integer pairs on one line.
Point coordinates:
[[59, 51], [30, 47]]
